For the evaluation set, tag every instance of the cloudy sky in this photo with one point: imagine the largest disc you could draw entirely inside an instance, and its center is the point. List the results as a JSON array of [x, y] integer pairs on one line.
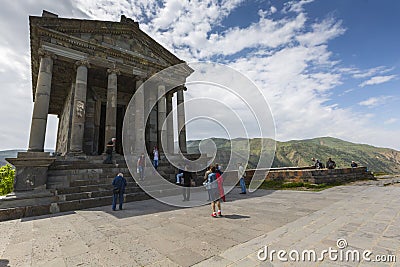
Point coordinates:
[[326, 68]]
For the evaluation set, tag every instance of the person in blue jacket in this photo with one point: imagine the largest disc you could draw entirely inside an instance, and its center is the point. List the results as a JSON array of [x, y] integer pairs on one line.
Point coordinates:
[[119, 184]]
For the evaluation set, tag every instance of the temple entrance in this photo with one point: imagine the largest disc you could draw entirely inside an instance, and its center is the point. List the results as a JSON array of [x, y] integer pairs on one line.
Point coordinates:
[[102, 128], [120, 122]]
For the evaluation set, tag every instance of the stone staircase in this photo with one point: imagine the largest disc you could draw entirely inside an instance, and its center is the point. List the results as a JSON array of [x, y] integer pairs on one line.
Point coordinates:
[[79, 183]]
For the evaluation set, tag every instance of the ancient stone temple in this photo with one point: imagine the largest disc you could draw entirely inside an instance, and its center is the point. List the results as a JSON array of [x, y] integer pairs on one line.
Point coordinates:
[[85, 72]]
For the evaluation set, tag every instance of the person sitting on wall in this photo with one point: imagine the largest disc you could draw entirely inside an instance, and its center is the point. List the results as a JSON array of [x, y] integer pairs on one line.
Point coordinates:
[[109, 151], [317, 163], [330, 164], [354, 164]]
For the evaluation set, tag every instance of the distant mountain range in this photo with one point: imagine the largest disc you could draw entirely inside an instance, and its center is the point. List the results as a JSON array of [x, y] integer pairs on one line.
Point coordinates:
[[7, 154], [299, 153]]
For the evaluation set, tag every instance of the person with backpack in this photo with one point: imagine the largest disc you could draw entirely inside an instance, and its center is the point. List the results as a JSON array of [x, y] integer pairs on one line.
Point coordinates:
[[330, 164], [119, 183]]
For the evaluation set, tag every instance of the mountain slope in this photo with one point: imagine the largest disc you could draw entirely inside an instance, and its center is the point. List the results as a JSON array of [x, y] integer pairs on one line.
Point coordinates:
[[300, 152]]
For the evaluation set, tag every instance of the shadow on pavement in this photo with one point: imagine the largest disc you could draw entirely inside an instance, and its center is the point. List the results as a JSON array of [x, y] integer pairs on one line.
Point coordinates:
[[153, 206], [4, 263], [236, 216]]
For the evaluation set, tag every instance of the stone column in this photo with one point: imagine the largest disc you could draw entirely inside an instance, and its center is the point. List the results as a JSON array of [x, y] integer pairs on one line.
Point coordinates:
[[161, 118], [111, 108], [139, 119], [181, 121], [79, 107], [170, 124], [41, 105]]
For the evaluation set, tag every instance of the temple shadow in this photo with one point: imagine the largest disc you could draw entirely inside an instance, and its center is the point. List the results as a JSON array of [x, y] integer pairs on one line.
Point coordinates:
[[153, 206], [4, 263], [40, 217]]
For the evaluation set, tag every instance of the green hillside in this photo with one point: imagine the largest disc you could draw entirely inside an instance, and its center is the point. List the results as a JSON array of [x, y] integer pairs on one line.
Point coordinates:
[[299, 153]]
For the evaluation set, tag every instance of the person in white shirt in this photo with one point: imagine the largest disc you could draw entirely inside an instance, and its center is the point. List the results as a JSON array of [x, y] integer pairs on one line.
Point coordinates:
[[241, 174], [155, 157]]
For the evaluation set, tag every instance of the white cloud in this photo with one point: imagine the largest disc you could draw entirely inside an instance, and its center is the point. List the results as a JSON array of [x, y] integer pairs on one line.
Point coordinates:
[[321, 32], [390, 121], [369, 72], [374, 101], [289, 60], [377, 80]]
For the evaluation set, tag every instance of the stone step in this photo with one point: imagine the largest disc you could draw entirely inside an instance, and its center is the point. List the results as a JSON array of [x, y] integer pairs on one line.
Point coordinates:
[[18, 212]]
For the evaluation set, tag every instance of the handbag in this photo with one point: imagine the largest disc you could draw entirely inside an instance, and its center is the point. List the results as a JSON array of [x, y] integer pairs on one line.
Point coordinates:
[[116, 190]]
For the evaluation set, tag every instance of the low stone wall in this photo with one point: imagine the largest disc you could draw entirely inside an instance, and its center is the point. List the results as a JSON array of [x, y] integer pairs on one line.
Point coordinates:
[[309, 175]]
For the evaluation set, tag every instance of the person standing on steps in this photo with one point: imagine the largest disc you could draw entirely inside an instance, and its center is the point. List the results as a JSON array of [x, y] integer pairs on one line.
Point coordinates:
[[141, 165], [155, 157], [109, 151], [241, 174], [119, 184]]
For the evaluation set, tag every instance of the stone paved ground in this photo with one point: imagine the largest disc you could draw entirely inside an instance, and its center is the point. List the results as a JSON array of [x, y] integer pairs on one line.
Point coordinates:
[[148, 233]]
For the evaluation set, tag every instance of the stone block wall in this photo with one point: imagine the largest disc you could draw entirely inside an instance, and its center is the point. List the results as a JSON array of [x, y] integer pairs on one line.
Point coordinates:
[[309, 175]]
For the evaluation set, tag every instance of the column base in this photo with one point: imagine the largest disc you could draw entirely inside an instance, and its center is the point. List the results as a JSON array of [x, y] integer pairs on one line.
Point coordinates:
[[31, 170]]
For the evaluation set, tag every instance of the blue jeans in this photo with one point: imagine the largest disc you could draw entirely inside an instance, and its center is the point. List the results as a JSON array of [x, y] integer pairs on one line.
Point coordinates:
[[141, 172], [108, 159], [242, 185], [119, 197], [155, 163]]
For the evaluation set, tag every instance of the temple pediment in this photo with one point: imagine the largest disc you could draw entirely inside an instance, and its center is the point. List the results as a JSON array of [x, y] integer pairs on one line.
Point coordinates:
[[124, 36], [102, 42]]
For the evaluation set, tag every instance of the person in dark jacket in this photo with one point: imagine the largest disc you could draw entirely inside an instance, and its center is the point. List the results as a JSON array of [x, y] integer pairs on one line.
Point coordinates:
[[109, 151], [119, 184], [187, 181], [330, 164]]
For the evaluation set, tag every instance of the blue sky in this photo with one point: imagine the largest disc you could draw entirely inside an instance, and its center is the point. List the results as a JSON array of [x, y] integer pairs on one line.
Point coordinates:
[[327, 68]]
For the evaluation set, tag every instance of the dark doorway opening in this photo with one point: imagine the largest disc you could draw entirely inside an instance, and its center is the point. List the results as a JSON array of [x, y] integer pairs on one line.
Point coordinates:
[[120, 123], [102, 129], [118, 134]]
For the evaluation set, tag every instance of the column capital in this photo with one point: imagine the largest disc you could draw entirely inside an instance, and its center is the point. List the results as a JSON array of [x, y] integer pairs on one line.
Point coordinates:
[[113, 69], [83, 62], [44, 53]]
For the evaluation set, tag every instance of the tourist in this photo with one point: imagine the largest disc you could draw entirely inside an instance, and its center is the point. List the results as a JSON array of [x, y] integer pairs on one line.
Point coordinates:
[[354, 164], [205, 182], [214, 193], [155, 157], [187, 181], [141, 165], [109, 151], [317, 163], [220, 181], [119, 184], [179, 176], [241, 175], [330, 164]]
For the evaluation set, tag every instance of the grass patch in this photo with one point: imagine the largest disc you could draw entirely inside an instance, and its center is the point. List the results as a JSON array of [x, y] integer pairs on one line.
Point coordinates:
[[301, 186]]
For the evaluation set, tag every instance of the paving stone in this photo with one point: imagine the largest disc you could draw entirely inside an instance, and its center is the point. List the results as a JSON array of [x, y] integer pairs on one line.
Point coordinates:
[[148, 233]]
